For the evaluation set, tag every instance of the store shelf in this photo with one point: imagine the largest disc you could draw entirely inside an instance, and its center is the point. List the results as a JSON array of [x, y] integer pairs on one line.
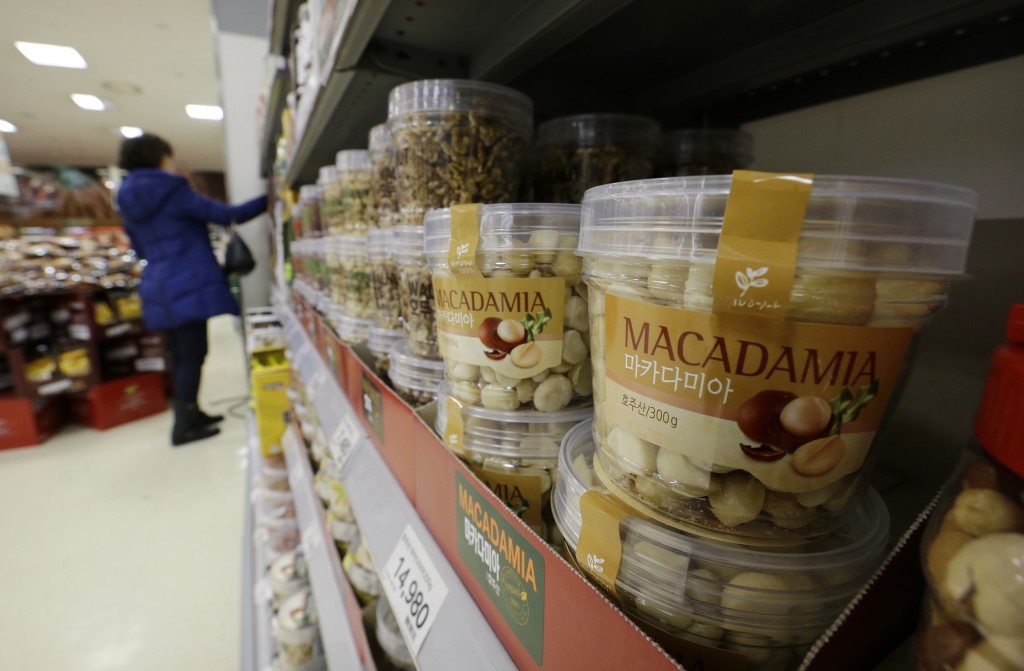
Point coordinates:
[[277, 90], [257, 645]]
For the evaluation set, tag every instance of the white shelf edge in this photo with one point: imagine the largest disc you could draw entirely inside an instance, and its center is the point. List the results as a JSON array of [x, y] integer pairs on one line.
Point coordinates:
[[460, 638]]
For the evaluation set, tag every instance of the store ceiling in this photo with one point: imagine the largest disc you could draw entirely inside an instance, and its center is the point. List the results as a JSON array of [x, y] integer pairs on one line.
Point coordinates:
[[147, 58]]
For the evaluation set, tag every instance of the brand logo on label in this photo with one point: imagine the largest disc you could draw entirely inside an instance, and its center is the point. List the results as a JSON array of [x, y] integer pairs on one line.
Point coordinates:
[[453, 438], [462, 249], [595, 563], [753, 278]]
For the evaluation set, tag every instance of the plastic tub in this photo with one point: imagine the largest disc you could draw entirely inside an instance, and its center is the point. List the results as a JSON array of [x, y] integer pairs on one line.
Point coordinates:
[[296, 633], [456, 141], [330, 206], [415, 291], [356, 277], [274, 513], [383, 191], [575, 153], [705, 151], [390, 638], [353, 167], [335, 269], [513, 329], [706, 402], [380, 342], [414, 378], [386, 295], [766, 605], [352, 330], [360, 570], [281, 542], [310, 224], [288, 575], [514, 452]]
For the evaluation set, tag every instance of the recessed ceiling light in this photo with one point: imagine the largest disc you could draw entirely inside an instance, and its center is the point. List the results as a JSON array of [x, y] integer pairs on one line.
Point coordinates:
[[7, 127], [131, 131], [51, 54], [210, 112], [88, 102]]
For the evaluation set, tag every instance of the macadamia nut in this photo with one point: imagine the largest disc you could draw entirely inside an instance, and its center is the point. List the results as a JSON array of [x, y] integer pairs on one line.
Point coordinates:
[[499, 398], [554, 393], [574, 348], [986, 575], [680, 471], [986, 511], [641, 455], [577, 315], [739, 500]]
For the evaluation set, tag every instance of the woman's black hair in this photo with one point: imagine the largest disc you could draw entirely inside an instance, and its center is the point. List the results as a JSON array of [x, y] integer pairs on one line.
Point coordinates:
[[145, 151]]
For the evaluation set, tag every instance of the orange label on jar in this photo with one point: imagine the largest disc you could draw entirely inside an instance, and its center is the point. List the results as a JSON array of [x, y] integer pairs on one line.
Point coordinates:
[[511, 325], [522, 492], [794, 404], [757, 250], [599, 551]]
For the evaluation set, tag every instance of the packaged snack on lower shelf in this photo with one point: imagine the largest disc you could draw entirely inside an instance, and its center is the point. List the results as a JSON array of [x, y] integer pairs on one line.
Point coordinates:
[[737, 397], [359, 568], [274, 513], [327, 481], [341, 523], [281, 542], [288, 575], [296, 633], [415, 378], [390, 638], [515, 453], [754, 607]]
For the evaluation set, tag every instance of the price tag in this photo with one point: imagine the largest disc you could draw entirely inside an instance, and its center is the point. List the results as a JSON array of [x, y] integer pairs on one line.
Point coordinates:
[[413, 588], [345, 437]]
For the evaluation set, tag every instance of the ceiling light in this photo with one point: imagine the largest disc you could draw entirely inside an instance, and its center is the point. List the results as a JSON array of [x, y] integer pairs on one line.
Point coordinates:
[[51, 54], [210, 112], [88, 102], [7, 127], [131, 131]]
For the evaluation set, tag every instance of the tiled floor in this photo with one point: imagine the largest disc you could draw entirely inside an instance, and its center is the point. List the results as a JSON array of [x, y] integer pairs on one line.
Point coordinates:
[[119, 552]]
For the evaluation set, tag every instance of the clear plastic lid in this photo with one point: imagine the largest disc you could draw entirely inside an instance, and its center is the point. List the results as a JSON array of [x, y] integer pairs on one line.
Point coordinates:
[[851, 223], [589, 130], [462, 95], [348, 160], [414, 372], [351, 246], [352, 330], [379, 242], [327, 175], [381, 340], [692, 145], [539, 226], [380, 139], [511, 434], [408, 244], [752, 589]]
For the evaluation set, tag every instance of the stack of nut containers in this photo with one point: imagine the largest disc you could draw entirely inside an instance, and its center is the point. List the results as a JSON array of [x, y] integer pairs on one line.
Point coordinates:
[[748, 336]]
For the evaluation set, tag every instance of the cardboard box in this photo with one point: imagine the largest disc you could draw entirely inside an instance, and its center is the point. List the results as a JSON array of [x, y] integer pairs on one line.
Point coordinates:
[[25, 422], [269, 381], [120, 401], [67, 367]]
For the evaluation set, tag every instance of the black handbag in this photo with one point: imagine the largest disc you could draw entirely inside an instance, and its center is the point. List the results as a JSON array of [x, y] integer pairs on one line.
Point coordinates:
[[238, 259]]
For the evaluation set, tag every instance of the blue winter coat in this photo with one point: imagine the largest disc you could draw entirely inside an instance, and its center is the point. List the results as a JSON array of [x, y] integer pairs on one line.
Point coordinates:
[[167, 223]]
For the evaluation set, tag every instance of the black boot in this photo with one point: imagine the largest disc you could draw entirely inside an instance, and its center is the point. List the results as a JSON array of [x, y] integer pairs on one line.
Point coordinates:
[[210, 420], [189, 425]]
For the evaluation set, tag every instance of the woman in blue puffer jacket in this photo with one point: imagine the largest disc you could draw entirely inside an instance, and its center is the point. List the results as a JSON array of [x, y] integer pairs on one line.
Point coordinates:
[[182, 284]]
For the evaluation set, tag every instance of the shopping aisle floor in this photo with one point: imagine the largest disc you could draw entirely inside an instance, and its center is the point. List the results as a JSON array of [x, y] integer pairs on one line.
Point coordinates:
[[119, 552]]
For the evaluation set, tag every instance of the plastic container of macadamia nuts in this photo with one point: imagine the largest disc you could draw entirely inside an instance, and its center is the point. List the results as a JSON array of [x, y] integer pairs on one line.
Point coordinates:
[[713, 604], [973, 546], [739, 387], [415, 291], [515, 452], [511, 319], [415, 378]]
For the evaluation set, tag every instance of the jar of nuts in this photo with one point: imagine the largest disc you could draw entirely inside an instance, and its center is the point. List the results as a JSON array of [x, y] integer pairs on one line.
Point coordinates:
[[512, 320], [712, 604], [335, 269], [456, 141], [415, 378], [415, 291], [574, 153], [514, 452], [330, 207], [296, 632], [386, 294], [973, 546], [310, 222], [352, 330], [705, 151], [353, 167], [356, 277], [739, 386], [383, 184]]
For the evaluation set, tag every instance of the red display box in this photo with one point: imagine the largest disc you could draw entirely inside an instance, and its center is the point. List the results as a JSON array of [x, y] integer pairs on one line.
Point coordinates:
[[25, 422], [120, 401]]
